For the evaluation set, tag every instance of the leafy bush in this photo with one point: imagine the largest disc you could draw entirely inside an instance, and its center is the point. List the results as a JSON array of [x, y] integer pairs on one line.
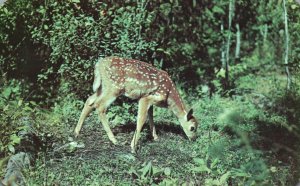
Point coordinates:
[[59, 121], [78, 36], [122, 113], [14, 33], [227, 144], [14, 113]]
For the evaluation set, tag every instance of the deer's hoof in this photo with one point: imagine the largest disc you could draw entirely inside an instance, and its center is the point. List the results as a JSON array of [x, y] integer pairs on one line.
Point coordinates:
[[133, 151], [155, 138], [76, 134], [115, 142]]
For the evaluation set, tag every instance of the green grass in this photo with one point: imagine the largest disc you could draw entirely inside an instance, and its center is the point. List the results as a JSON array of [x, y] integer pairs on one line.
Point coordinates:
[[101, 162], [227, 151]]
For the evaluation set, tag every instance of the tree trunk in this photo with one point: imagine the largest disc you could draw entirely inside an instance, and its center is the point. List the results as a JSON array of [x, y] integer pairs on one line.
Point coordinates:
[[286, 57], [238, 42], [230, 15], [223, 60]]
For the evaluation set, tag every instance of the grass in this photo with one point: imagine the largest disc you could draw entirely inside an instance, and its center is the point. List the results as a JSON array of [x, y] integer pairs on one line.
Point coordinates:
[[101, 162]]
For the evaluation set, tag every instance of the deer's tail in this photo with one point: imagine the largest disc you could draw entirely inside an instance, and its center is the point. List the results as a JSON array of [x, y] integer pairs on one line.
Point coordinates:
[[97, 77]]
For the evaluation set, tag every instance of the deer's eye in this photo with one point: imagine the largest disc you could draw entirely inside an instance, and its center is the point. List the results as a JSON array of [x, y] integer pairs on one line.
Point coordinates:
[[192, 129]]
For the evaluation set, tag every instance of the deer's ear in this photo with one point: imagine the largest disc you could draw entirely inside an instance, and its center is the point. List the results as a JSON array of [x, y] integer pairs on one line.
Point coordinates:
[[189, 115]]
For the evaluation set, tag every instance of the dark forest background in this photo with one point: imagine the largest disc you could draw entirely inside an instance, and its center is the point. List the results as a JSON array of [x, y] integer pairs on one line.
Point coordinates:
[[236, 62]]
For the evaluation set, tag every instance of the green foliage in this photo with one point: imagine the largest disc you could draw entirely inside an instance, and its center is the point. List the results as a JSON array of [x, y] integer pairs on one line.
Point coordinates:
[[58, 122], [227, 140], [77, 38], [149, 174], [248, 134], [127, 37], [122, 114], [14, 113], [237, 168]]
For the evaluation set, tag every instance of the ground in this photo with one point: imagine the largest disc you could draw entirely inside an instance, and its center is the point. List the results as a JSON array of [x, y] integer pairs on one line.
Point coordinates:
[[102, 162]]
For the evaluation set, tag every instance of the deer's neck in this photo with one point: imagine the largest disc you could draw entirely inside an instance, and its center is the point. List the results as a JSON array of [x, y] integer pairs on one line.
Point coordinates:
[[175, 104]]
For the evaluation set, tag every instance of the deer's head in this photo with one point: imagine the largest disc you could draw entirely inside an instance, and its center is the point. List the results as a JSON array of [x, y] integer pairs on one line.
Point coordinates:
[[189, 125]]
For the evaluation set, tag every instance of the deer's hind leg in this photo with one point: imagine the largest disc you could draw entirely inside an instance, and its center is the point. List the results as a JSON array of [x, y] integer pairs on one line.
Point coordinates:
[[87, 109], [102, 104], [151, 123]]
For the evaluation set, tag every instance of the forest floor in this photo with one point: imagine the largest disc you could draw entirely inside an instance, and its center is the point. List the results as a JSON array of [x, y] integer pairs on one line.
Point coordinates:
[[102, 162]]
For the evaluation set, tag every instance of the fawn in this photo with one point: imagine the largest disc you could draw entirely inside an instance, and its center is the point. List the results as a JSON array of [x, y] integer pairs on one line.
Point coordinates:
[[115, 76]]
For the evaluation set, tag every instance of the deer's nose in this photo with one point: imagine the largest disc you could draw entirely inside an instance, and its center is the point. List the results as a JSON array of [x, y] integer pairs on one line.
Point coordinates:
[[192, 138]]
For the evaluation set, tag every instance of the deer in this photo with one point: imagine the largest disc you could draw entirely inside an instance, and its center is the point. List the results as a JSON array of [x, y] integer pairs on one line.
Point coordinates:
[[137, 80]]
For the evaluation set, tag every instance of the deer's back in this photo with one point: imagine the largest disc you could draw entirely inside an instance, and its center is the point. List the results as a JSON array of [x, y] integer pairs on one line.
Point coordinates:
[[134, 78]]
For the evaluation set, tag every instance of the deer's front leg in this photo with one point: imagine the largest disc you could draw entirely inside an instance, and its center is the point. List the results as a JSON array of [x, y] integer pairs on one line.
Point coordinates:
[[141, 118], [103, 103], [151, 123], [87, 109]]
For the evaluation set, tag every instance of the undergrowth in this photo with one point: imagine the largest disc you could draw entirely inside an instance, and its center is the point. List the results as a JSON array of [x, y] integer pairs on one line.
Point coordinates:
[[224, 153]]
